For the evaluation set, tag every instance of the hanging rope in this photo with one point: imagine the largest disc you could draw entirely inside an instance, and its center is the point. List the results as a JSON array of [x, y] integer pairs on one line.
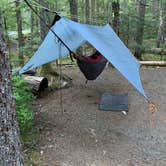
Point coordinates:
[[57, 18], [60, 79], [36, 4], [90, 19]]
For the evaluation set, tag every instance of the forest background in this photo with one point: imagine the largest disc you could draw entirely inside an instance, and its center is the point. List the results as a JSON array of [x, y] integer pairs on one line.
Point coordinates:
[[141, 24]]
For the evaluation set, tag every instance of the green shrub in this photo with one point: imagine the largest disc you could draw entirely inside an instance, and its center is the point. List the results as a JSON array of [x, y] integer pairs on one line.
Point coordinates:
[[23, 97]]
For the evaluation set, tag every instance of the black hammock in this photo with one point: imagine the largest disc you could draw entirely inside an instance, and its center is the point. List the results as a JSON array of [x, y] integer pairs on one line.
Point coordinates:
[[92, 66]]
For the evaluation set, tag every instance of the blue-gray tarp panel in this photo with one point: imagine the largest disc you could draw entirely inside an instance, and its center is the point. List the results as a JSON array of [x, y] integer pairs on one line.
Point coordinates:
[[103, 38]]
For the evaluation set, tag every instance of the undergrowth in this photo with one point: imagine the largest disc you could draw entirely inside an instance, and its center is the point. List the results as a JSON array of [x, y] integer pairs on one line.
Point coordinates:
[[23, 96]]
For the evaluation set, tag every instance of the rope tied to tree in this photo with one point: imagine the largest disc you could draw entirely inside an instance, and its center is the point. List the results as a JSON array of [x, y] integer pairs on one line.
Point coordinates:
[[56, 18]]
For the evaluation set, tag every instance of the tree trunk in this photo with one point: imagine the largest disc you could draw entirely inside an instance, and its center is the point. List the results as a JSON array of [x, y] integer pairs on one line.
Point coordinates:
[[6, 34], [36, 21], [140, 28], [93, 13], [81, 10], [97, 7], [9, 133], [20, 35], [87, 11], [110, 12], [162, 23], [74, 16], [73, 10], [32, 28], [32, 23], [46, 69], [44, 15], [115, 10], [126, 24]]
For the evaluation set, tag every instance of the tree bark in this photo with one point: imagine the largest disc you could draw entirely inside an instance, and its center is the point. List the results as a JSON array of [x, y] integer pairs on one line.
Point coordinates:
[[115, 10], [32, 22], [73, 10], [6, 34], [87, 11], [32, 28], [10, 154], [74, 15], [36, 21], [20, 35], [97, 7], [140, 28], [43, 14], [162, 23], [93, 11], [46, 69]]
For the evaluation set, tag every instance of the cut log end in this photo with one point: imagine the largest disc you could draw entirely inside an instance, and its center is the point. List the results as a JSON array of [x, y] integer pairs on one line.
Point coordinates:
[[43, 84], [38, 84]]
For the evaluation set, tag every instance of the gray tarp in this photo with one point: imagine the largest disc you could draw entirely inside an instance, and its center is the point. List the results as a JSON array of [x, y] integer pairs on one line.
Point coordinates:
[[103, 38]]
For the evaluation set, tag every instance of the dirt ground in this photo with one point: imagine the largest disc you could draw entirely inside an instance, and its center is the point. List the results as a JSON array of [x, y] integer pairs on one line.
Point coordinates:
[[73, 132]]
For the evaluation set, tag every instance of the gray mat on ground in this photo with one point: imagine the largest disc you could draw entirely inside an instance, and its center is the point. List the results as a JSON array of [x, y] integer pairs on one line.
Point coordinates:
[[114, 102]]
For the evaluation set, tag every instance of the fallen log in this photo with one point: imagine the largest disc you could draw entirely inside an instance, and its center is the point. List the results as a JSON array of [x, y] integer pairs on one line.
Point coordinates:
[[38, 84], [159, 51], [153, 63]]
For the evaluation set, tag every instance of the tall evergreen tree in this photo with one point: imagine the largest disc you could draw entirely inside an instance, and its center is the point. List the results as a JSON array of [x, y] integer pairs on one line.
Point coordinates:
[[44, 15], [140, 28], [10, 154], [93, 11], [162, 23], [73, 10], [46, 69], [115, 10], [19, 30], [87, 11]]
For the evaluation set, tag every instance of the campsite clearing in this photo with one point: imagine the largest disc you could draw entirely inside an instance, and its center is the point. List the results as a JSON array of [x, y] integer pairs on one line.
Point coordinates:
[[82, 135]]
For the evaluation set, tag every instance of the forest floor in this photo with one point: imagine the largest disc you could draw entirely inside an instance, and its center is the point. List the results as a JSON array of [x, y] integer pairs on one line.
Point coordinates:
[[81, 135]]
